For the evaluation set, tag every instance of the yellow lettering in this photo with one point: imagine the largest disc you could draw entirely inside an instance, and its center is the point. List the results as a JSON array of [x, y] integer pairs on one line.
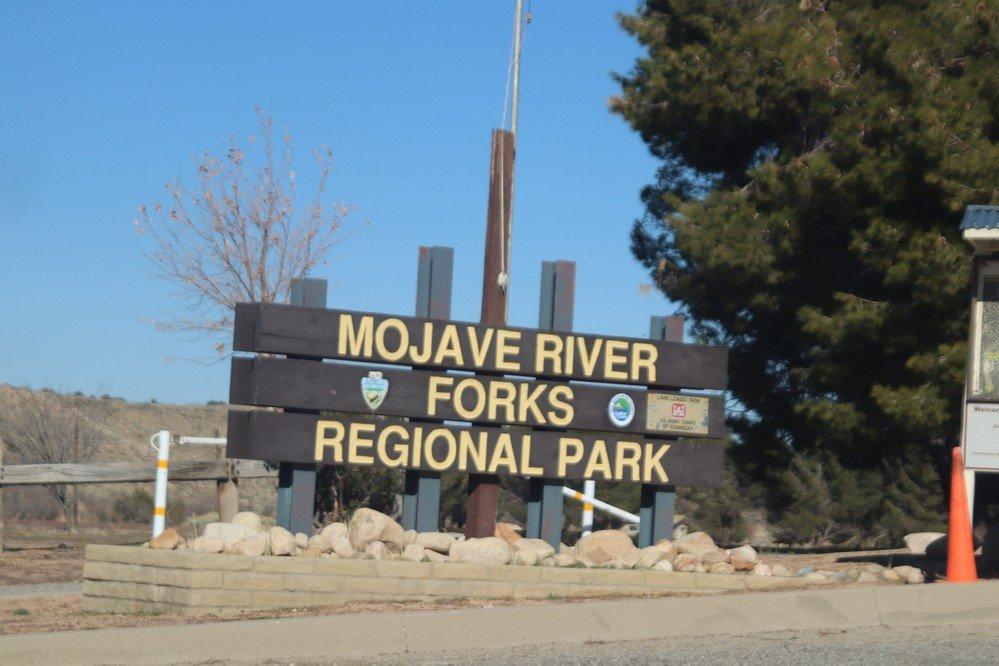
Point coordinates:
[[525, 458], [333, 442], [450, 346], [468, 447], [614, 354], [480, 399], [435, 392], [529, 402], [505, 349], [560, 398], [564, 457], [643, 357], [652, 462], [599, 461], [358, 440], [422, 356], [503, 455], [391, 324], [401, 448], [588, 357], [549, 348], [417, 448], [479, 348], [506, 400], [448, 437], [355, 342], [627, 455]]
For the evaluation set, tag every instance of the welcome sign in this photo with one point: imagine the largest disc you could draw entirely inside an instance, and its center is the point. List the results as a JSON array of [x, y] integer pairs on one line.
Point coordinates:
[[551, 393]]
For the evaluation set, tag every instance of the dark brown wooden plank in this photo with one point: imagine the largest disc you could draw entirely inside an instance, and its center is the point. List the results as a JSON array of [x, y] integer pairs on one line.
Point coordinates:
[[317, 386], [340, 334], [291, 437]]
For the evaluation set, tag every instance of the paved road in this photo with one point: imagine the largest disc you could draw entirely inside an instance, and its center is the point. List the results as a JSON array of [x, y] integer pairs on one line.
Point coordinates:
[[39, 590], [950, 644]]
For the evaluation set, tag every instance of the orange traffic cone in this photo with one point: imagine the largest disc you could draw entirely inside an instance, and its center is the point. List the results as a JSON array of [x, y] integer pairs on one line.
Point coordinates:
[[960, 548]]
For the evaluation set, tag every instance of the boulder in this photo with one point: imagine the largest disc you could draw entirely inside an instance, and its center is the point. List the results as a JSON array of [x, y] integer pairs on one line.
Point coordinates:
[[253, 546], [615, 563], [816, 577], [650, 557], [629, 558], [527, 558], [367, 525], [571, 550], [744, 558], [679, 532], [663, 565], [695, 543], [540, 548], [487, 550], [909, 575], [867, 577], [918, 541], [414, 552], [320, 542], [281, 540], [508, 532], [565, 560], [603, 545], [168, 539], [889, 576], [686, 562], [804, 571], [378, 550], [437, 541], [434, 556], [312, 552], [721, 568], [249, 520], [779, 570], [762, 569], [990, 552], [207, 544], [335, 530], [409, 537], [547, 562], [714, 557], [227, 533], [668, 548], [302, 540], [341, 547]]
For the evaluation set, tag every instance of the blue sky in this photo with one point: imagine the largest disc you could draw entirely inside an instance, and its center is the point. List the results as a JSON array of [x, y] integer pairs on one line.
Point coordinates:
[[102, 103]]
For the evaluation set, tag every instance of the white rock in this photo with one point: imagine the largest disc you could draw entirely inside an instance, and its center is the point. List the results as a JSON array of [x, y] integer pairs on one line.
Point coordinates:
[[909, 575], [487, 550], [228, 534], [409, 536], [565, 560], [918, 541], [341, 547], [547, 562], [539, 547], [253, 546], [367, 525], [434, 556], [779, 570], [603, 545], [650, 557], [302, 540], [249, 520], [815, 577], [744, 558], [320, 542], [695, 543], [663, 565], [668, 548], [686, 562], [282, 541], [679, 532], [334, 530], [168, 539], [377, 550], [437, 541], [718, 555], [762, 569], [527, 558], [207, 544], [721, 568], [414, 552]]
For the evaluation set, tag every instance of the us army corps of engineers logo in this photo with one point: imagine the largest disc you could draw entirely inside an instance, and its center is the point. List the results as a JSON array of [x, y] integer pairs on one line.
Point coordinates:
[[374, 388]]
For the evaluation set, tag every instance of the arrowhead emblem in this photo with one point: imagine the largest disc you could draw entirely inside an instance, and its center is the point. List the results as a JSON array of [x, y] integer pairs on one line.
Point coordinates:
[[374, 388]]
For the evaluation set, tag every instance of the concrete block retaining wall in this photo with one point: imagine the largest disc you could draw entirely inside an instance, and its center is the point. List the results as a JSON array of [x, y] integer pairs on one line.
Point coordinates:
[[127, 579]]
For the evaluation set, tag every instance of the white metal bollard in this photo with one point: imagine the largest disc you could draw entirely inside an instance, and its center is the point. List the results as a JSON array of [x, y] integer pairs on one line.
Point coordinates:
[[590, 492], [601, 505], [162, 447]]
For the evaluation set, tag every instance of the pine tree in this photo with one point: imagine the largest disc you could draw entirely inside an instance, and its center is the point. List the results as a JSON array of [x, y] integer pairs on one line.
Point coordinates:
[[816, 159]]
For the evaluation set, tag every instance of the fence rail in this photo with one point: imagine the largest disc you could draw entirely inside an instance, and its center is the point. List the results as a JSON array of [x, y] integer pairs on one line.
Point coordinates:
[[73, 473]]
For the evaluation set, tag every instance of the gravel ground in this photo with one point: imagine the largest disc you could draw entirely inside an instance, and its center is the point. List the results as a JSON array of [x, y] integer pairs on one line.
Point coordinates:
[[959, 644]]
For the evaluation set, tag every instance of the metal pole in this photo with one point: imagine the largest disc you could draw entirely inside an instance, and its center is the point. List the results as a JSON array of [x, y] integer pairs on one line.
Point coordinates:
[[162, 462], [600, 504], [590, 493], [517, 40]]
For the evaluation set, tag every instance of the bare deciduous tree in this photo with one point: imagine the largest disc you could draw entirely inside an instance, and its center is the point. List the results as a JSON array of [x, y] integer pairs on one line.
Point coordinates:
[[239, 234], [37, 429]]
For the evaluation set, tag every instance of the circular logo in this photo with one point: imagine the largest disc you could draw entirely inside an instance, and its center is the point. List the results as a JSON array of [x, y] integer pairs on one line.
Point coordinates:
[[621, 409]]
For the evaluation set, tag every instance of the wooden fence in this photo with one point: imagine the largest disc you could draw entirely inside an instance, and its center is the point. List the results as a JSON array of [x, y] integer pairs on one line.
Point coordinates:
[[223, 471]]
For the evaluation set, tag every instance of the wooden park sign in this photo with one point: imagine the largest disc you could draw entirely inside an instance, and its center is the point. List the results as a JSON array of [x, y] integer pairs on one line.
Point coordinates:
[[556, 429]]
